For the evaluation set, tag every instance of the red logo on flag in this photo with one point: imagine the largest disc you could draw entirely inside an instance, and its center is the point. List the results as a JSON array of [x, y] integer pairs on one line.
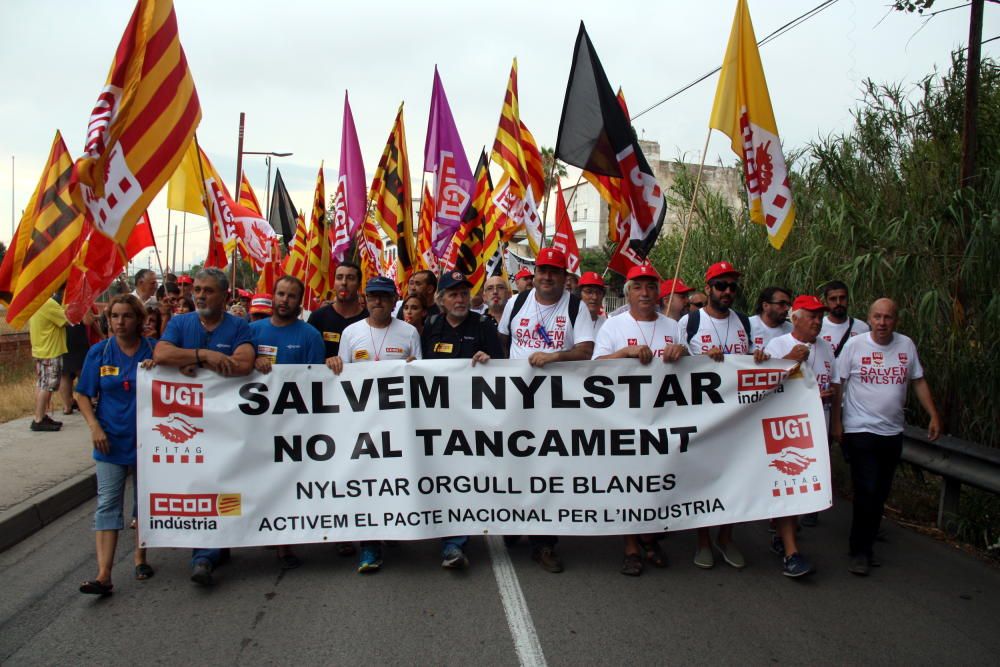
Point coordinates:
[[195, 504], [177, 398], [758, 379], [177, 429], [784, 432]]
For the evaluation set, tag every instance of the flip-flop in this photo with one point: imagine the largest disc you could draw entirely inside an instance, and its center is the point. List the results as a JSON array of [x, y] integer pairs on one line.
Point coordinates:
[[143, 571], [96, 588]]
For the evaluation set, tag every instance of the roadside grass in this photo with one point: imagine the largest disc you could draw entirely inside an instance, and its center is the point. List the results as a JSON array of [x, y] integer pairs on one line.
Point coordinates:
[[17, 387]]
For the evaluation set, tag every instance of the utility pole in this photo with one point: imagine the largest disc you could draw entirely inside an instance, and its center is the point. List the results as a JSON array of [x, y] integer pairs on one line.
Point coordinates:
[[239, 186], [969, 125]]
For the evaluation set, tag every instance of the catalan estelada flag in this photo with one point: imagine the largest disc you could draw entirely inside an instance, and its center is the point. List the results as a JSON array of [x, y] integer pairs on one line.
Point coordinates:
[[318, 266], [742, 110], [47, 238], [390, 195], [141, 124]]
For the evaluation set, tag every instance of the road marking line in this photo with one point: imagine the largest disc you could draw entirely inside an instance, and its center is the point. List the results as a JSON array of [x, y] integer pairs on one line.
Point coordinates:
[[522, 629]]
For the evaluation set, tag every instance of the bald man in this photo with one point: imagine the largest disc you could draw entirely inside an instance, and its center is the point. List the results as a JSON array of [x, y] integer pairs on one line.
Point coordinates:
[[870, 382]]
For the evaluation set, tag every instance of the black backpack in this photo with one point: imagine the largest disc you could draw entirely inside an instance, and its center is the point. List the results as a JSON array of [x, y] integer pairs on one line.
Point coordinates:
[[694, 321]]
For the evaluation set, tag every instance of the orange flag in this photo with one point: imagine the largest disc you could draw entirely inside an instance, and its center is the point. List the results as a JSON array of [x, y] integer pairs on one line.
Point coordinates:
[[319, 269]]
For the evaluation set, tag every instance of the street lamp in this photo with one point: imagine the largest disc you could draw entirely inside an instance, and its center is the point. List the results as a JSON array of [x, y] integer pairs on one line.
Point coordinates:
[[267, 159]]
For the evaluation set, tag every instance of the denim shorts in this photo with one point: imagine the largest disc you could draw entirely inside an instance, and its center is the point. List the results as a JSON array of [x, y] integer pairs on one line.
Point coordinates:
[[111, 495]]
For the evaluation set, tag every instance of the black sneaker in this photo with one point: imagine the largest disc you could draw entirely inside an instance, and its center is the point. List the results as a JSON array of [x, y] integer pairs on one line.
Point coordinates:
[[45, 426], [548, 559], [859, 566], [50, 420], [201, 573]]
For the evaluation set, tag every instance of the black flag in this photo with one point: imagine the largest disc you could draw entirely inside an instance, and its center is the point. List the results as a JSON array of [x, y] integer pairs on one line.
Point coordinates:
[[282, 214], [596, 135]]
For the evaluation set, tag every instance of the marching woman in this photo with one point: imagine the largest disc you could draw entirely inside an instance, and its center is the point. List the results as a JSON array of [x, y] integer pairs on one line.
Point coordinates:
[[106, 394]]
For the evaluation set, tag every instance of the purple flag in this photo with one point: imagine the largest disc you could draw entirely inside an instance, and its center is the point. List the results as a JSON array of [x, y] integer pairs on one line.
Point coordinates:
[[350, 199], [444, 155]]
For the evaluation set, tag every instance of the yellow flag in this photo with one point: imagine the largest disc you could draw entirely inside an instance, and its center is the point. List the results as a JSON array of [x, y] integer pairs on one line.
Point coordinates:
[[742, 110]]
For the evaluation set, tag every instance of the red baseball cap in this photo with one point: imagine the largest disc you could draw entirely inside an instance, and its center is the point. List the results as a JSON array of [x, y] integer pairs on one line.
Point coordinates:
[[184, 279], [551, 257], [720, 269], [642, 271], [591, 279], [243, 294], [524, 273], [261, 303], [678, 287], [808, 302]]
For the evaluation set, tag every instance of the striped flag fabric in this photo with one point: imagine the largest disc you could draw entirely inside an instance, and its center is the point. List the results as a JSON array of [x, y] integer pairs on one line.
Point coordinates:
[[610, 190], [425, 225], [295, 260], [391, 198], [370, 250], [141, 124], [248, 197], [47, 238], [515, 151], [318, 266], [742, 110], [479, 239]]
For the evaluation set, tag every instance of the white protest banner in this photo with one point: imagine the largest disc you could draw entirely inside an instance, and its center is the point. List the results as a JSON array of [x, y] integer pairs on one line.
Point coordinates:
[[391, 450]]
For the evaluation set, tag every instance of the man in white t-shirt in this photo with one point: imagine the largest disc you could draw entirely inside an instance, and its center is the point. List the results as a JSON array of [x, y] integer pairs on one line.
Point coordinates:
[[838, 326], [378, 337], [592, 289], [866, 416], [716, 331], [642, 333], [771, 319], [801, 345], [543, 325]]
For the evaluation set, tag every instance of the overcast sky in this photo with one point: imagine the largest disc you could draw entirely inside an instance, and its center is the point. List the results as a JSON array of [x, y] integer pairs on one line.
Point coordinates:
[[287, 64]]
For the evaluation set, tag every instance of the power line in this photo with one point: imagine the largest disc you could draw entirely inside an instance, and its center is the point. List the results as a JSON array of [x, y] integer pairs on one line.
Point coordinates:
[[772, 36]]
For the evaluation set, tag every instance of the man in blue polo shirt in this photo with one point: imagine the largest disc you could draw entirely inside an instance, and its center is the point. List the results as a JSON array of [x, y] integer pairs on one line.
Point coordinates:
[[207, 338]]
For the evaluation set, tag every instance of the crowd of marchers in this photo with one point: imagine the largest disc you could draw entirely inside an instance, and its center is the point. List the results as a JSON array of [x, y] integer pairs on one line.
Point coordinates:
[[863, 370]]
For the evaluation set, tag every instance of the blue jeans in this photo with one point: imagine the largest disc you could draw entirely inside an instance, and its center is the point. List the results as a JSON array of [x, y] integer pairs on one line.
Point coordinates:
[[213, 556], [457, 541], [111, 495]]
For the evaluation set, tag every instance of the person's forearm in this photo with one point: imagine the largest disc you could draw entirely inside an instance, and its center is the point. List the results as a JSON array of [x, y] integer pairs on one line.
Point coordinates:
[[86, 409], [835, 405], [923, 392], [579, 352], [167, 354]]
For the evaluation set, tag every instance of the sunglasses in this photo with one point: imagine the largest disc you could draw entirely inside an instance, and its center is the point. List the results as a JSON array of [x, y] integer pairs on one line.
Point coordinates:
[[722, 285]]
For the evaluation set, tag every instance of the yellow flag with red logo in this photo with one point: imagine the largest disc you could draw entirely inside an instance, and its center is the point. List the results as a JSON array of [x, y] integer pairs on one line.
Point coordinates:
[[742, 110]]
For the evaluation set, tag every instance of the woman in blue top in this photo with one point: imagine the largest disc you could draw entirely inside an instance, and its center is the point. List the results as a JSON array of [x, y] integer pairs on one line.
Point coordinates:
[[109, 374]]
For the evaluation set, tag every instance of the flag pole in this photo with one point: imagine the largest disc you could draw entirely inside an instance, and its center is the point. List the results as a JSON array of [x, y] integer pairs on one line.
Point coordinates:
[[184, 225], [239, 186], [687, 220], [168, 241]]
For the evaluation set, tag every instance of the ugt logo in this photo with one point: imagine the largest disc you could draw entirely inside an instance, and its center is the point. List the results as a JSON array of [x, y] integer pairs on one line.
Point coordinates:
[[783, 437], [184, 398]]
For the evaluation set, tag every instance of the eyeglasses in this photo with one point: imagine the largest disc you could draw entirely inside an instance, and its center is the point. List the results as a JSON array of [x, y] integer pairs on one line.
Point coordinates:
[[786, 304], [722, 286]]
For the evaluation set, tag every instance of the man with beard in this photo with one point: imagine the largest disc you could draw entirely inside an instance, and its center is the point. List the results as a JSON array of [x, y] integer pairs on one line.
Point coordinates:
[[285, 339], [458, 333], [544, 325], [715, 331], [771, 318], [331, 319], [592, 289], [207, 338], [422, 284], [378, 337], [800, 345], [838, 326], [866, 416], [496, 293], [642, 333]]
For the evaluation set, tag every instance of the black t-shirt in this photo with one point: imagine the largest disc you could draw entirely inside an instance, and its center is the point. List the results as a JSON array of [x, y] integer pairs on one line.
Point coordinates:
[[476, 333], [331, 324]]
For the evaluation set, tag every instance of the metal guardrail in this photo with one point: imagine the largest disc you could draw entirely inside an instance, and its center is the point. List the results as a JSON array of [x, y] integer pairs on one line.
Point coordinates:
[[958, 462]]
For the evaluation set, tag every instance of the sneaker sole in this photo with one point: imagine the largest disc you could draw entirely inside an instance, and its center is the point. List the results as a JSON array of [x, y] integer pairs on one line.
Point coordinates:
[[459, 564], [202, 579], [797, 575], [370, 568]]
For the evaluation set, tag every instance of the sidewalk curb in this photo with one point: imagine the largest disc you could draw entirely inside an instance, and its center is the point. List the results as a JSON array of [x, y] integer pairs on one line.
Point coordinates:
[[30, 516]]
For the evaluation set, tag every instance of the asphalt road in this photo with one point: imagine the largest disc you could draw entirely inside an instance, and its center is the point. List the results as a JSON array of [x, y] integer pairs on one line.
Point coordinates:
[[929, 604]]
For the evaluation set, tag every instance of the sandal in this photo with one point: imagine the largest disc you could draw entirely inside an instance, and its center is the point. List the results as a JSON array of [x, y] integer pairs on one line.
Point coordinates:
[[632, 565], [143, 571], [654, 554], [96, 588]]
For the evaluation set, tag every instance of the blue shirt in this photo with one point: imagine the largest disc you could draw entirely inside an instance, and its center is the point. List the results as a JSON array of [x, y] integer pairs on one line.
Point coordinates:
[[295, 343], [185, 331], [109, 375]]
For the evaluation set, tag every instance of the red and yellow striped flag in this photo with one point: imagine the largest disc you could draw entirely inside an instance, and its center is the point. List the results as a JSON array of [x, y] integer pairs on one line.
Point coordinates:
[[610, 190], [515, 150], [425, 227], [141, 124], [369, 250], [247, 196], [477, 239], [269, 273], [318, 267], [295, 261], [390, 195], [47, 238]]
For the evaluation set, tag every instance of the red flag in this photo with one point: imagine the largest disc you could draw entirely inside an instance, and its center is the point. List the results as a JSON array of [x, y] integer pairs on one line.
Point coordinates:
[[625, 256], [564, 239]]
